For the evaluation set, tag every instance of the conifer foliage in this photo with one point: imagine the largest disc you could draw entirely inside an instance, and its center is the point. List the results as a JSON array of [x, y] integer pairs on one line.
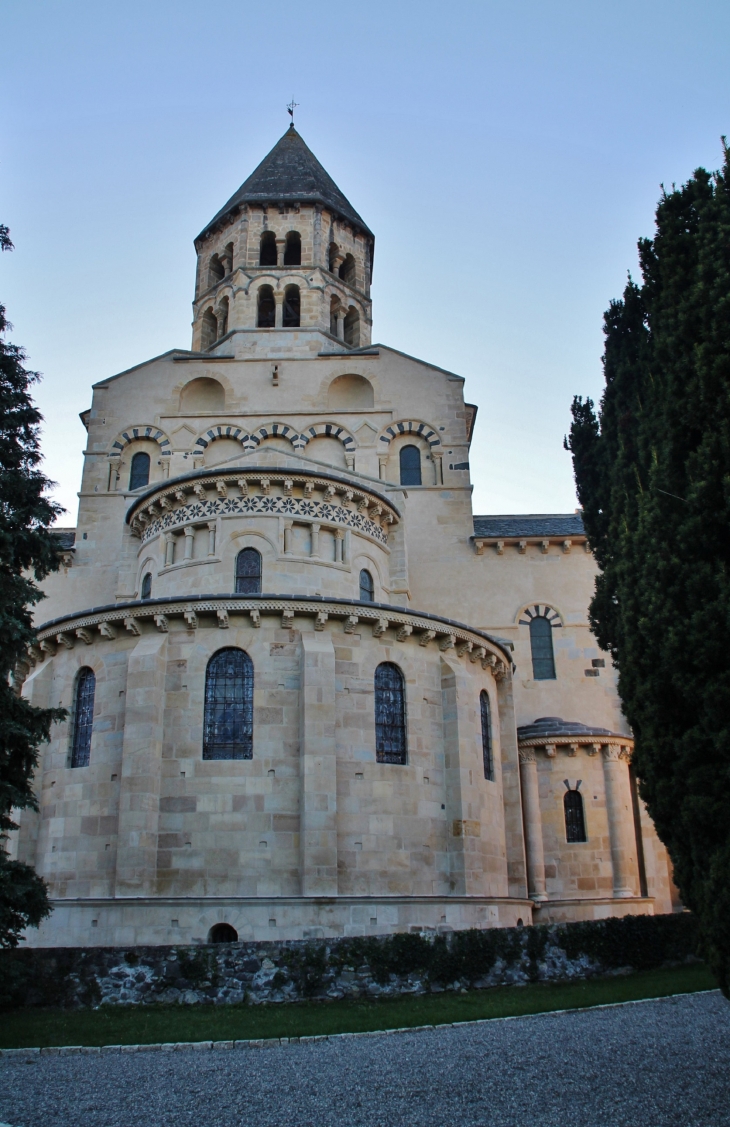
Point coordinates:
[[27, 552], [653, 474]]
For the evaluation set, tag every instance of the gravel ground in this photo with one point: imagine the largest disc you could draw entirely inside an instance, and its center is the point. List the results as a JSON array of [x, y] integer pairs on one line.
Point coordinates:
[[652, 1064]]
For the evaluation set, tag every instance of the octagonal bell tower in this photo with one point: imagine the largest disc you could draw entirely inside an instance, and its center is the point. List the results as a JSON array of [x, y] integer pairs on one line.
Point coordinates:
[[284, 268]]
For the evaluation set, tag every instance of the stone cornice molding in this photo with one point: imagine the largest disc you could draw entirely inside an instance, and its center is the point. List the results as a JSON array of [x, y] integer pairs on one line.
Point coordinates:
[[404, 626], [612, 746]]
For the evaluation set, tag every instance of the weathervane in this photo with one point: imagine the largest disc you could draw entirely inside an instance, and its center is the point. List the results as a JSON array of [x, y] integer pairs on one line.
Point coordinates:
[[290, 108]]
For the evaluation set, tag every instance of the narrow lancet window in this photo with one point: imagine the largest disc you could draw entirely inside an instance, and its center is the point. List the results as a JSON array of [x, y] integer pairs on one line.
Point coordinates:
[[248, 572], [410, 465], [541, 644], [139, 473], [147, 586], [228, 720], [390, 714], [367, 587], [352, 328], [291, 307], [209, 330], [486, 715], [293, 249], [266, 308], [575, 823], [268, 249], [83, 717]]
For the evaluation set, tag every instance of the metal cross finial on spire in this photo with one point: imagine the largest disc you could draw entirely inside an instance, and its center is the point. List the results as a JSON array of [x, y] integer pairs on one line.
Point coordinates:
[[290, 109]]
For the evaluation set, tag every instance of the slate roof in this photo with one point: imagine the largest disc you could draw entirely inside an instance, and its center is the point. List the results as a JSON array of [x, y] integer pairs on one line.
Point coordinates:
[[547, 727], [529, 524], [66, 537], [291, 173]]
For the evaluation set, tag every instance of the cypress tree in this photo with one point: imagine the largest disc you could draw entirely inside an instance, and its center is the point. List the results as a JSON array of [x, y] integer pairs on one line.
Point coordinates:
[[27, 553], [652, 468]]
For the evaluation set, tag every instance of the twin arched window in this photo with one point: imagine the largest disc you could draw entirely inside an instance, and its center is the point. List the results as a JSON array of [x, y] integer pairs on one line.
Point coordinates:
[[541, 645], [367, 587], [390, 714], [139, 473], [83, 717], [410, 465], [486, 717], [228, 719], [575, 822], [248, 572]]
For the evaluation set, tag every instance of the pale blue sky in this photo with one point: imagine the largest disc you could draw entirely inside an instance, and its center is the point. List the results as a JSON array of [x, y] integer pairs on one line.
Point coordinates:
[[507, 156]]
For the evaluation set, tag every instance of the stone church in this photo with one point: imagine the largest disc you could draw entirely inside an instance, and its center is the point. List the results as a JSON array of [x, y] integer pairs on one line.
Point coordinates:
[[310, 693]]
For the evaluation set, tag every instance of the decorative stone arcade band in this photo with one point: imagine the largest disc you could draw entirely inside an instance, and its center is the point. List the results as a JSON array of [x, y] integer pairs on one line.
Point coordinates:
[[133, 618], [208, 497], [276, 430], [616, 752]]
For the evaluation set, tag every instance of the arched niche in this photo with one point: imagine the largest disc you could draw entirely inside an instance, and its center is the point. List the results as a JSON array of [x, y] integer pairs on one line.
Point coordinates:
[[325, 449], [223, 450], [350, 393], [202, 396]]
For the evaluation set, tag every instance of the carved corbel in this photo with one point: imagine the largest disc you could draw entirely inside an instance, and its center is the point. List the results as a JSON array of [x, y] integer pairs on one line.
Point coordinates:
[[593, 749], [107, 630], [479, 546], [499, 546], [447, 642], [65, 640], [191, 618], [403, 632], [180, 496], [161, 623], [350, 462], [132, 625], [199, 491], [329, 493], [288, 487], [464, 648], [48, 647], [567, 545], [35, 654], [85, 635], [223, 622], [380, 627], [243, 486], [287, 619], [478, 654], [320, 619], [255, 618], [572, 750], [375, 512], [165, 504], [350, 623], [544, 546], [426, 637], [222, 489], [522, 547], [362, 503], [550, 750], [347, 498], [265, 484], [308, 487]]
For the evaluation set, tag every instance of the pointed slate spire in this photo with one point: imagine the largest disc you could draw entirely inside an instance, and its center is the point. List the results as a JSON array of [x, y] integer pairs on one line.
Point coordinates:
[[291, 173]]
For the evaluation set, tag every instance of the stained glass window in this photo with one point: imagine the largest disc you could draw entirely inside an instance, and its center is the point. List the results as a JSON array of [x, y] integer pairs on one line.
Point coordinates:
[[248, 572], [541, 643], [390, 714], [575, 823], [486, 735], [367, 587], [83, 718], [228, 721], [410, 465], [139, 474]]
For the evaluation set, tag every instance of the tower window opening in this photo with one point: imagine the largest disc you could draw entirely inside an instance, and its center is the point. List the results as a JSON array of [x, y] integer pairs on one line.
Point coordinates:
[[216, 270], [347, 270], [541, 644], [352, 328], [209, 334], [367, 587], [223, 317], [333, 255], [267, 255], [146, 592], [266, 308], [139, 473], [390, 714], [227, 259], [228, 718], [291, 307], [83, 717], [575, 822], [334, 310], [486, 717], [293, 249], [410, 465], [248, 572], [222, 933]]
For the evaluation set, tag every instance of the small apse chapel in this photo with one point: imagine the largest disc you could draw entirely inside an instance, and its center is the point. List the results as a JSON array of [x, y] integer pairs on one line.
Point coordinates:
[[310, 693]]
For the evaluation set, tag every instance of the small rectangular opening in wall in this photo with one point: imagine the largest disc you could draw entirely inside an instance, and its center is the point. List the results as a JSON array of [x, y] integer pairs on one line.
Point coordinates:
[[107, 846], [182, 774], [272, 773], [272, 923], [94, 923], [114, 778], [591, 673], [358, 774], [358, 845], [598, 663], [174, 923], [263, 844], [188, 845], [373, 919], [426, 779]]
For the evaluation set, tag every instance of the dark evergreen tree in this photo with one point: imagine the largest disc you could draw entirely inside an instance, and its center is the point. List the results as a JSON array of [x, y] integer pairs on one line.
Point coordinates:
[[27, 553], [653, 477]]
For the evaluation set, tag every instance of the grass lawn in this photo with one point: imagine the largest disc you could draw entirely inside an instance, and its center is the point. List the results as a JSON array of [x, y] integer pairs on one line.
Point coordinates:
[[127, 1025]]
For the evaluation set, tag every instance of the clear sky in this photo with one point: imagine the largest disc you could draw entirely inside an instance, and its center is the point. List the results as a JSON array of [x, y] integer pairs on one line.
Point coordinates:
[[506, 154]]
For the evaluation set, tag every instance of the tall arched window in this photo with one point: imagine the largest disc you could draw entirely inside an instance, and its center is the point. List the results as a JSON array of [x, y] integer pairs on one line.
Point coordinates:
[[223, 317], [541, 644], [347, 270], [266, 308], [209, 331], [216, 270], [267, 256], [291, 307], [575, 823], [228, 720], [293, 249], [352, 328], [139, 474], [410, 465], [332, 255], [146, 592], [334, 310], [248, 572], [367, 587], [83, 717], [390, 714], [486, 714]]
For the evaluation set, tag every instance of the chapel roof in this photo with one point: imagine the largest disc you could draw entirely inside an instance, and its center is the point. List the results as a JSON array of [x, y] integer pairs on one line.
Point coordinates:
[[530, 524], [291, 173], [546, 727]]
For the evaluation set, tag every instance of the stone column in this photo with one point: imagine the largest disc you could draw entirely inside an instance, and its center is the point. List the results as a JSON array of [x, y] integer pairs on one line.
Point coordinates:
[[339, 540], [211, 537], [280, 249], [317, 767], [438, 465], [287, 537], [533, 825], [340, 315], [315, 540], [382, 463], [279, 314], [620, 819], [169, 549], [139, 795], [189, 541]]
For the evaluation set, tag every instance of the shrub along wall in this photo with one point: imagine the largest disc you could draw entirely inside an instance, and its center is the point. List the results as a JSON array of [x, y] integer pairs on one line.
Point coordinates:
[[342, 968]]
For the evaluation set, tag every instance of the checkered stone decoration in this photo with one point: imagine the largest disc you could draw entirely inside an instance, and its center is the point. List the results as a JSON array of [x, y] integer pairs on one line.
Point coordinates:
[[538, 610]]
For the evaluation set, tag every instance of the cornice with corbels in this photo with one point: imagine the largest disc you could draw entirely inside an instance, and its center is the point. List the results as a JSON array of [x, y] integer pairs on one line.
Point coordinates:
[[613, 747], [521, 543]]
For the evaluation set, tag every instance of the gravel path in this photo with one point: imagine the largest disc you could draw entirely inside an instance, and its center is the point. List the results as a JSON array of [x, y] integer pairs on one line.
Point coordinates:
[[653, 1064]]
